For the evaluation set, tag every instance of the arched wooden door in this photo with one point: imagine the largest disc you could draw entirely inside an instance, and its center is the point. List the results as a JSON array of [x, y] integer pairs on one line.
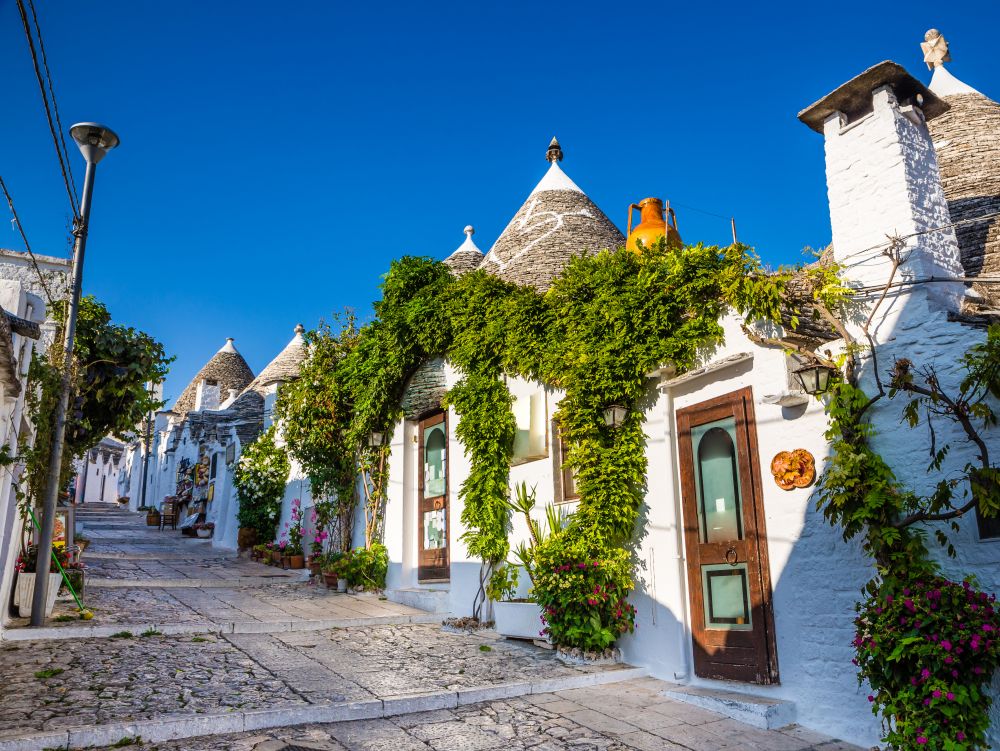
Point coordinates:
[[433, 521], [732, 622]]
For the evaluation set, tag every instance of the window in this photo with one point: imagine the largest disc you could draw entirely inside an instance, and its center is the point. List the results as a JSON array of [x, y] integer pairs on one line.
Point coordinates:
[[567, 492], [989, 527], [530, 440]]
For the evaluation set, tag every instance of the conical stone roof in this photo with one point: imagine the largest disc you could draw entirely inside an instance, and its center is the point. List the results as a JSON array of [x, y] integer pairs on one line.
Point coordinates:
[[556, 222], [227, 368], [467, 257], [967, 141], [284, 367]]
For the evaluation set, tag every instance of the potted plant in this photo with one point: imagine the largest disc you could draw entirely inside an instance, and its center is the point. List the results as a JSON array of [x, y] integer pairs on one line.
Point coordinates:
[[296, 560], [204, 530], [246, 537], [293, 529], [282, 554], [521, 617], [152, 517], [25, 587], [76, 578], [81, 543], [331, 564], [123, 501], [364, 568]]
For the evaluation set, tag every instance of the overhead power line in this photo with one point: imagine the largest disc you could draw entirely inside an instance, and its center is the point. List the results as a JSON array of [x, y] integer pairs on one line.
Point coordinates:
[[52, 94], [888, 243], [60, 153], [27, 245]]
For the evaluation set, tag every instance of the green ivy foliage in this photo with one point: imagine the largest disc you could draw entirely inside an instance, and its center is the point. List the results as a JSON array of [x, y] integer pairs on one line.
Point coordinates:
[[606, 323]]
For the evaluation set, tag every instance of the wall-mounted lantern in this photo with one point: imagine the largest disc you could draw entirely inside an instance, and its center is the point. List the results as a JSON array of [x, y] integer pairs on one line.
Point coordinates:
[[815, 378], [375, 439], [614, 415]]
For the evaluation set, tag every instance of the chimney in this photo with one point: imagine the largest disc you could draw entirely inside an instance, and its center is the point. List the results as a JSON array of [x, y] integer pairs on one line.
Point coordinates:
[[207, 395], [883, 181]]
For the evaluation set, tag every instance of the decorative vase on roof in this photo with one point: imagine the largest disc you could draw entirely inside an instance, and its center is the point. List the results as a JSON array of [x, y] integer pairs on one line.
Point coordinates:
[[652, 225]]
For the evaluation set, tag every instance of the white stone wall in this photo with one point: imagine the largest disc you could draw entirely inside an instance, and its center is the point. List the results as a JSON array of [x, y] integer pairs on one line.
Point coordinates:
[[15, 425]]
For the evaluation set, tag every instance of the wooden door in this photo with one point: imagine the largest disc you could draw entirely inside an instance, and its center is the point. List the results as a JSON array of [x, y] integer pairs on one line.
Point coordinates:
[[732, 622], [432, 524]]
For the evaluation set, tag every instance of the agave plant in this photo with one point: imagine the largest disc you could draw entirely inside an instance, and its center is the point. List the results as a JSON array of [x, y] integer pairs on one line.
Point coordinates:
[[556, 520]]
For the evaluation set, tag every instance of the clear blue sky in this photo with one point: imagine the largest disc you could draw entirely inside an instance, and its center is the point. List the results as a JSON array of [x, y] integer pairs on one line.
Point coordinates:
[[276, 156]]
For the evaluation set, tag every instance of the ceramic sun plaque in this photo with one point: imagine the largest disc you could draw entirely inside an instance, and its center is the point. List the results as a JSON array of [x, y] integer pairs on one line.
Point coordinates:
[[793, 469]]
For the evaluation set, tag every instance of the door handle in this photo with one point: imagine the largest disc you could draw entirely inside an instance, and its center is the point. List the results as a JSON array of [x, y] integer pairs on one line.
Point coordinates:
[[732, 557]]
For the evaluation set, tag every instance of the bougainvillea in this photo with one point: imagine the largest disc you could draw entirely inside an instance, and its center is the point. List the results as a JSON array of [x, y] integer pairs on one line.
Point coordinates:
[[927, 648]]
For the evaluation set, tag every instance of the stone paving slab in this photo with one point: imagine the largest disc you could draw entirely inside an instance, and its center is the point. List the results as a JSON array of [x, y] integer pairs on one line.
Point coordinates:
[[57, 685], [543, 722]]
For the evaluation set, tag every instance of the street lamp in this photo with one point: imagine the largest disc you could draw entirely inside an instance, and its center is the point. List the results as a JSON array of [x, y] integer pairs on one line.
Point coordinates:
[[95, 141], [375, 439]]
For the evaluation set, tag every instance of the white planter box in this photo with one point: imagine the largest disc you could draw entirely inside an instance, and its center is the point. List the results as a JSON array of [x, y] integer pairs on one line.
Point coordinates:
[[25, 591], [520, 620]]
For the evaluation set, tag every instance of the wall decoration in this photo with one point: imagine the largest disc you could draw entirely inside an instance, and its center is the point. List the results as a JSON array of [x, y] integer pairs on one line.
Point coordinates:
[[793, 469]]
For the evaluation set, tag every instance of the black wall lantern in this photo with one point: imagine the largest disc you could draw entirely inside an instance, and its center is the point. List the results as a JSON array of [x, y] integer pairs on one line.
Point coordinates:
[[375, 439], [614, 415], [815, 378]]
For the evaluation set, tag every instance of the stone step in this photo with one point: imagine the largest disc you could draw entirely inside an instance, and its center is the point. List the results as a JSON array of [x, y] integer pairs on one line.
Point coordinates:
[[764, 712], [430, 600]]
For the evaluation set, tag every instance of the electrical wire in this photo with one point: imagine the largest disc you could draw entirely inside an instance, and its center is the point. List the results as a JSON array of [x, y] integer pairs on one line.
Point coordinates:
[[920, 233], [27, 245], [52, 95], [48, 110]]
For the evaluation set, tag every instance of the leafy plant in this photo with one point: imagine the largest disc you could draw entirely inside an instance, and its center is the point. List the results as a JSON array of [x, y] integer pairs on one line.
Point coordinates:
[[365, 567], [582, 588], [48, 673], [260, 479], [112, 365]]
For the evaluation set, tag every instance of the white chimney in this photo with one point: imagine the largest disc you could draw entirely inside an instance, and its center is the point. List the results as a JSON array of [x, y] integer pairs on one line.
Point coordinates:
[[207, 395], [883, 181]]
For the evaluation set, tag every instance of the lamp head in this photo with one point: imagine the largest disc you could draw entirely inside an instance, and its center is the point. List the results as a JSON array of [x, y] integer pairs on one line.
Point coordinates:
[[95, 140]]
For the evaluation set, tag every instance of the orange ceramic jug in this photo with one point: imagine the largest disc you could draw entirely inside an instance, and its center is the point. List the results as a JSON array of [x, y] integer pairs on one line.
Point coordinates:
[[652, 225]]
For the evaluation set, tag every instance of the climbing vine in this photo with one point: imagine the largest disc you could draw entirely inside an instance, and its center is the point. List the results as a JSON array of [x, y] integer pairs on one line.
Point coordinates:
[[606, 323], [925, 645]]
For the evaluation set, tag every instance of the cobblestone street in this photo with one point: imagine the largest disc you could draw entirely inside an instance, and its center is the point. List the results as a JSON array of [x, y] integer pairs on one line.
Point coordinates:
[[193, 645]]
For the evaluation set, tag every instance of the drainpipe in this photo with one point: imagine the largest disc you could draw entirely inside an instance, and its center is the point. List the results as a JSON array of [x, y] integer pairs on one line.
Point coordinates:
[[674, 489]]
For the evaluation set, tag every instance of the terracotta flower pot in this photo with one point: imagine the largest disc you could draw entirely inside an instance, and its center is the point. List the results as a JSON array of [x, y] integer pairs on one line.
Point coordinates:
[[296, 561], [153, 518], [284, 561], [330, 580], [315, 568]]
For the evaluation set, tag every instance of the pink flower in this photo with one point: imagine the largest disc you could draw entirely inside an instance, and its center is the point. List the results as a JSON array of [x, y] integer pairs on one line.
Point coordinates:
[[936, 694], [921, 740], [950, 696]]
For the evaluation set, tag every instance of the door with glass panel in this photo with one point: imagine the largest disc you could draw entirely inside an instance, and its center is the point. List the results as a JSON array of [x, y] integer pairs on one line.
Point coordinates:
[[732, 623], [433, 504]]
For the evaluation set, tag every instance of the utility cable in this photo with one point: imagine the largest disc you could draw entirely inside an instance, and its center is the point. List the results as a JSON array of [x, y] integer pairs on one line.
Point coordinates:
[[919, 233], [27, 245], [48, 110], [52, 95]]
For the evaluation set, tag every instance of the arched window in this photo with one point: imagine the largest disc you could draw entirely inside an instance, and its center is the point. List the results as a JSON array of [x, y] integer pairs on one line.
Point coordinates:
[[719, 485]]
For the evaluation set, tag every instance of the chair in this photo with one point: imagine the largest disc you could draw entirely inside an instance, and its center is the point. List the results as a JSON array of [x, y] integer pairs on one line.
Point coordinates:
[[168, 513]]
